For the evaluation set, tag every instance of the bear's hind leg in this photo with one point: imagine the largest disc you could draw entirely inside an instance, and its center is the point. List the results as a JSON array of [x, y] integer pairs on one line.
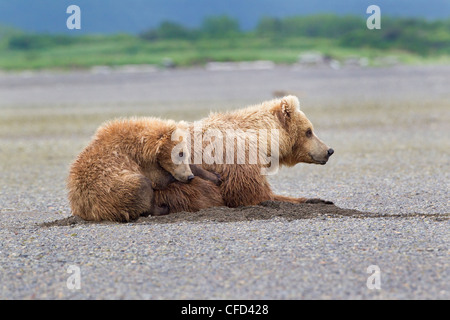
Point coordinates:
[[145, 199], [276, 197], [299, 200]]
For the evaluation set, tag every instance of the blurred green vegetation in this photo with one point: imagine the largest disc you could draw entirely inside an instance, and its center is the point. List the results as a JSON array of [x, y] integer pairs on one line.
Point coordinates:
[[412, 40]]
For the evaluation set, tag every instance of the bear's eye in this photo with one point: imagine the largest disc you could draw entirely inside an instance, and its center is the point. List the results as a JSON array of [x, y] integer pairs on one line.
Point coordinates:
[[309, 133], [181, 154]]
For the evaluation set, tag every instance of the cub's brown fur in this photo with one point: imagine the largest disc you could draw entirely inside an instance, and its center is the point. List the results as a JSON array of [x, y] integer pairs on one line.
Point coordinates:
[[115, 176]]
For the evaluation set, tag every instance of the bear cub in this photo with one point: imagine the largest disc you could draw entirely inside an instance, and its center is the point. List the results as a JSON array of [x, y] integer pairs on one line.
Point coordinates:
[[115, 176]]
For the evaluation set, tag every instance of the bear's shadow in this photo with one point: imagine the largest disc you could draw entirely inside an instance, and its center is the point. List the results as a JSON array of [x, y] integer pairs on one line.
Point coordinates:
[[264, 211]]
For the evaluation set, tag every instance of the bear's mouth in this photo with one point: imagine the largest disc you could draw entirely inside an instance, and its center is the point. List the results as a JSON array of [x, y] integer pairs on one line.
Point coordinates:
[[317, 161]]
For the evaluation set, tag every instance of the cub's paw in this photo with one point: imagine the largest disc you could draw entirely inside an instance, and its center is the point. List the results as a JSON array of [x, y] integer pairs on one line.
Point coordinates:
[[218, 181], [317, 200]]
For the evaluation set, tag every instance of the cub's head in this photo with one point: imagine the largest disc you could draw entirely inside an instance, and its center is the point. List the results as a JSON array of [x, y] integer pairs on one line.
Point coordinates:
[[174, 156], [298, 141]]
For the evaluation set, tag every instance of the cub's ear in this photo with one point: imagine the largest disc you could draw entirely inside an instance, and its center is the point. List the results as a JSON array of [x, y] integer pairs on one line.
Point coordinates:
[[183, 125], [285, 109]]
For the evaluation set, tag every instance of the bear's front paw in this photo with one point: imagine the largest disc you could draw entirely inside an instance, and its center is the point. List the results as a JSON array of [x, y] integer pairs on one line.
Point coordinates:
[[317, 200]]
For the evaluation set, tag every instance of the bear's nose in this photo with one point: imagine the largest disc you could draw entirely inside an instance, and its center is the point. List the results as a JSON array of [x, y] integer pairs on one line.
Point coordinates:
[[330, 152], [191, 177]]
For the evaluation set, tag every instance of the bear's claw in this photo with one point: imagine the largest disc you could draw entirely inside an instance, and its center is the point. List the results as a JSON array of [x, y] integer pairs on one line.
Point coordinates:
[[219, 179], [317, 200]]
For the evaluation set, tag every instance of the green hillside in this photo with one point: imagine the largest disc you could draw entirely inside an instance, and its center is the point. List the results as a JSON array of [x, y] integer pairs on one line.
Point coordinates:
[[220, 38]]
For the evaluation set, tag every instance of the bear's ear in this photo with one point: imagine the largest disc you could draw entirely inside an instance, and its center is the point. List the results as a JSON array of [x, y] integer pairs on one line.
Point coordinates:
[[285, 109], [289, 104]]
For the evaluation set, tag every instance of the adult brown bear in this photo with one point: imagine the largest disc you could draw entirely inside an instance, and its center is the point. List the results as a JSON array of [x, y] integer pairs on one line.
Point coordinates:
[[244, 182]]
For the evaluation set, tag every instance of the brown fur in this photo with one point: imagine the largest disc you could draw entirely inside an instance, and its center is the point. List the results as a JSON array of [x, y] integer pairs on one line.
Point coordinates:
[[114, 177], [243, 184]]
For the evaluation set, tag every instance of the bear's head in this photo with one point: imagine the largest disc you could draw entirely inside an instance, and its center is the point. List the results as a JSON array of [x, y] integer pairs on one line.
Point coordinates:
[[300, 144], [174, 154]]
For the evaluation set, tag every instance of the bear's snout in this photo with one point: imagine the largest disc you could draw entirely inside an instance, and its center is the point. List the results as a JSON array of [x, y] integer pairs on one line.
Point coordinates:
[[330, 152], [190, 178]]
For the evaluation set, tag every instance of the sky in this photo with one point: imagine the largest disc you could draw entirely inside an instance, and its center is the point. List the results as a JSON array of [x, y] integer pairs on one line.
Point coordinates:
[[134, 16]]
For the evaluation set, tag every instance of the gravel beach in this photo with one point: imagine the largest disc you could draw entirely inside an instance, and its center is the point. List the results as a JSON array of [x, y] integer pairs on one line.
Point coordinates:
[[388, 179]]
